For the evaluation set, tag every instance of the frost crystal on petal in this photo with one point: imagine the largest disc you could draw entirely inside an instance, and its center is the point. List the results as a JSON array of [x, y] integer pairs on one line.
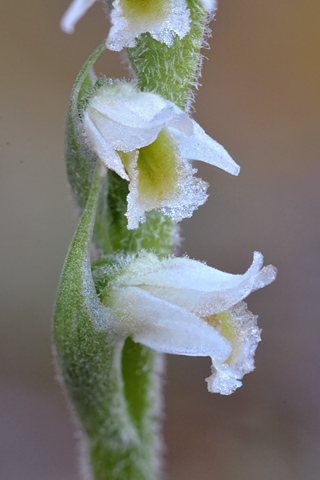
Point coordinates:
[[163, 19], [191, 193], [188, 194], [226, 376]]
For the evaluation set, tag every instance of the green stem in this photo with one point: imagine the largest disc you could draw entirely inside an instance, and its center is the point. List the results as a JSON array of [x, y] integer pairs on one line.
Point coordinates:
[[171, 71], [114, 390]]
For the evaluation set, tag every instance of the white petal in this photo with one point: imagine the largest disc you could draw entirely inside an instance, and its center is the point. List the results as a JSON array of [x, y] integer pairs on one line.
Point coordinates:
[[202, 289], [75, 11], [181, 121], [129, 119], [120, 136], [199, 146], [123, 104], [167, 327], [102, 148], [172, 116]]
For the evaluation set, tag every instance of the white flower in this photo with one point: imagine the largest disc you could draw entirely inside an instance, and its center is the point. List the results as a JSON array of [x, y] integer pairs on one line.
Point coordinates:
[[163, 19], [148, 140], [181, 306]]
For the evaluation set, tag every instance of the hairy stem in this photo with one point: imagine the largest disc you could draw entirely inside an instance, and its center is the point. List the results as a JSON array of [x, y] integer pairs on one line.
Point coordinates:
[[114, 390], [171, 71]]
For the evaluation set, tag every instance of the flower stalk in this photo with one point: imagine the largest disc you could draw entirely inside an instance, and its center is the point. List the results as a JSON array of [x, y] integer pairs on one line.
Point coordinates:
[[172, 71], [128, 152]]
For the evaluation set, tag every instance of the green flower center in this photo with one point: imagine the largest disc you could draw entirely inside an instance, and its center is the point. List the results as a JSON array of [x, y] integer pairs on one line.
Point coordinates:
[[222, 322], [145, 10], [158, 168]]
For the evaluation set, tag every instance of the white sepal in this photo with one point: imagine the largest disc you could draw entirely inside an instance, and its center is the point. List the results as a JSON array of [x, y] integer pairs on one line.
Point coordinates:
[[166, 327], [107, 153], [201, 289]]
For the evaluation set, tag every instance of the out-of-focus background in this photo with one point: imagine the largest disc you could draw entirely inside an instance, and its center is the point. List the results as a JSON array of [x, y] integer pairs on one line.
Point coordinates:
[[260, 99]]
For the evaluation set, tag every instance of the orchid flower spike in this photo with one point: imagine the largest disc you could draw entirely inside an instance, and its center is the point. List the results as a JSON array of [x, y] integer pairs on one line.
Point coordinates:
[[148, 140], [163, 19], [181, 306]]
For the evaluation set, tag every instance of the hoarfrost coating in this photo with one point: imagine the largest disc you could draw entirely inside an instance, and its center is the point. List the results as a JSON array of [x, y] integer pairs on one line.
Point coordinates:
[[148, 140], [163, 19], [181, 306]]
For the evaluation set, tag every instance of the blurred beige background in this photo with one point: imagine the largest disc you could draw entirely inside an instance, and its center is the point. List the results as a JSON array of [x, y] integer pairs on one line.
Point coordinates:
[[260, 99]]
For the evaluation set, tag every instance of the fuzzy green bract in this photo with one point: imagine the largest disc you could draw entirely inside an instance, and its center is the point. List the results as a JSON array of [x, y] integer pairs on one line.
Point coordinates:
[[113, 389], [80, 161]]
